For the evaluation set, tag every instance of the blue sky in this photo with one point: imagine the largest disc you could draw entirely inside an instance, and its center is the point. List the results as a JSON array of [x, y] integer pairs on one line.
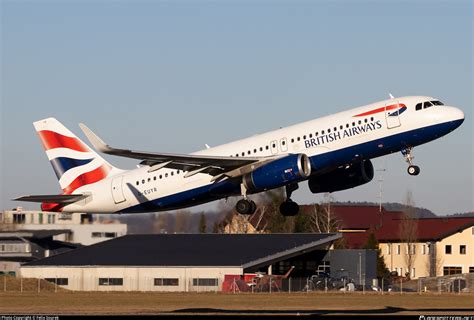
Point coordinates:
[[172, 76]]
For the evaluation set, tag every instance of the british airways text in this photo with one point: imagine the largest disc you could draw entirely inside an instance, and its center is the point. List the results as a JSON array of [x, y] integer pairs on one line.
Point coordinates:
[[350, 132]]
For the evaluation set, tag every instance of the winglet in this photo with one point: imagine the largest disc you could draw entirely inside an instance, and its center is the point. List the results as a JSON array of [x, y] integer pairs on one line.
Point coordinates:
[[96, 142]]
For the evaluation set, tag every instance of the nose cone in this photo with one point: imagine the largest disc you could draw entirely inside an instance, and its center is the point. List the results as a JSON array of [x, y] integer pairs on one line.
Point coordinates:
[[457, 117]]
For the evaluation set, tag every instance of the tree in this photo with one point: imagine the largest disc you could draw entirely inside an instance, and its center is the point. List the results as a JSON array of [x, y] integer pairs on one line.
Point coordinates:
[[215, 227], [408, 229], [382, 270], [182, 221], [321, 220], [202, 223]]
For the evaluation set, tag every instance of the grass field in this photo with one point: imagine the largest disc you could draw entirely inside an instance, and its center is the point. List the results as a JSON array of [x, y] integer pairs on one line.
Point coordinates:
[[227, 303]]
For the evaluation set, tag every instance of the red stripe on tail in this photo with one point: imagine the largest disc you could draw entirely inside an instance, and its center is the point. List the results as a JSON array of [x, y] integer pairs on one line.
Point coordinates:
[[88, 178], [52, 140]]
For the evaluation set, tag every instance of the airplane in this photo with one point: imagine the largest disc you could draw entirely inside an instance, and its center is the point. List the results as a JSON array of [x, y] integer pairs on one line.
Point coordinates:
[[331, 153]]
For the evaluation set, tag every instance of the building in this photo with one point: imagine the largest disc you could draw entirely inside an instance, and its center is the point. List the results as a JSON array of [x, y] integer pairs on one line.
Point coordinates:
[[185, 262], [79, 227], [21, 246], [442, 246], [438, 246]]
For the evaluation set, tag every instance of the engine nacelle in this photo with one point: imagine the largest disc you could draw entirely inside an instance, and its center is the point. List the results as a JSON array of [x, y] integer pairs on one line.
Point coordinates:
[[341, 179], [280, 172]]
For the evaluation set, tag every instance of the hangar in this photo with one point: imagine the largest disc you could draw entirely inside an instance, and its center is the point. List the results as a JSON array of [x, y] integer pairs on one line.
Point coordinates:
[[180, 262]]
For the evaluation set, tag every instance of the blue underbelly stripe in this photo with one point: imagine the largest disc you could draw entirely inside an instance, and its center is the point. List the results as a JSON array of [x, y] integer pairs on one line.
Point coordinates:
[[331, 159]]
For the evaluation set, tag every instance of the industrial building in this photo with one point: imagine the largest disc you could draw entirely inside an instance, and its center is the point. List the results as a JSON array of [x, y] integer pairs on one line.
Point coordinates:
[[195, 262]]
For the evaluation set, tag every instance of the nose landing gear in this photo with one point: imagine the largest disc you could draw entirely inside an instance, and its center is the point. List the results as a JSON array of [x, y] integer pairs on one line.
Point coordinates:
[[408, 155]]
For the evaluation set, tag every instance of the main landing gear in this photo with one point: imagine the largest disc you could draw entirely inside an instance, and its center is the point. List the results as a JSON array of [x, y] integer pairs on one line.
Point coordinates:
[[408, 155], [290, 208], [245, 206]]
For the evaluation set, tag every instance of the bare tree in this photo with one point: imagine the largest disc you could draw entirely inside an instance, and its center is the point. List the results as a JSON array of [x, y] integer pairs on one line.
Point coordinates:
[[408, 229], [435, 261], [320, 217]]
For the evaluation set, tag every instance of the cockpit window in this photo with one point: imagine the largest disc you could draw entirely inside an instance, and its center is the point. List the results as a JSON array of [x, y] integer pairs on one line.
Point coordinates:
[[437, 103], [418, 106], [427, 104]]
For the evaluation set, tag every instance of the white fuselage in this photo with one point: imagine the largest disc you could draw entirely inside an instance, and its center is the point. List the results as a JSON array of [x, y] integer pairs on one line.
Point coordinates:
[[361, 133]]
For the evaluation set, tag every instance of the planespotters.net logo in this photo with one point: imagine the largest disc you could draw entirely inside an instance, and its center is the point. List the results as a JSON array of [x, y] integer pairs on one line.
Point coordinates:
[[446, 318]]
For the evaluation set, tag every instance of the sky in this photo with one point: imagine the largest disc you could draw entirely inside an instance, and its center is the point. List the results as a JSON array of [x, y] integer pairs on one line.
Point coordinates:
[[171, 76]]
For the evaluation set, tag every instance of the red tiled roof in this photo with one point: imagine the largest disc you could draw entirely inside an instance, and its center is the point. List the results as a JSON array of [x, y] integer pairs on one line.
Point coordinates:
[[386, 225], [430, 229], [359, 217]]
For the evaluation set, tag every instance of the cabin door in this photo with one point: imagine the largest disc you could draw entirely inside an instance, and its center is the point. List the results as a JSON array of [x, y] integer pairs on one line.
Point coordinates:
[[117, 191], [392, 115]]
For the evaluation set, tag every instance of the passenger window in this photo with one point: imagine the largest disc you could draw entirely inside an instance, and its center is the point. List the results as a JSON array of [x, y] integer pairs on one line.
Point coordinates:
[[310, 135], [248, 152], [149, 179], [347, 125], [341, 127], [154, 178], [353, 124], [143, 181], [316, 134], [427, 104], [138, 182], [266, 147], [418, 106], [292, 140], [283, 142], [172, 173], [273, 145], [329, 130], [254, 150], [304, 137], [261, 149], [243, 154], [166, 175], [322, 132], [366, 120], [360, 121], [298, 138], [371, 118]]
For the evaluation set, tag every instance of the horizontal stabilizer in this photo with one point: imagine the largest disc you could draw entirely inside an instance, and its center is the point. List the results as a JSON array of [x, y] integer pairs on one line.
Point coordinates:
[[60, 198]]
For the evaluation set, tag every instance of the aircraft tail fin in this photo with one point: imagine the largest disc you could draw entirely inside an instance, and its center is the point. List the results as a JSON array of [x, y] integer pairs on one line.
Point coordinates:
[[74, 163]]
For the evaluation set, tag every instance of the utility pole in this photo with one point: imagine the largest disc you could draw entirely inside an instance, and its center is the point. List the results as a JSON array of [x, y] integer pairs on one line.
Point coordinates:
[[380, 188]]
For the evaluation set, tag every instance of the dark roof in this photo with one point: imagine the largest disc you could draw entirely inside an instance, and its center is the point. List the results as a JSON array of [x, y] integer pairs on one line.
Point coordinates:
[[191, 250]]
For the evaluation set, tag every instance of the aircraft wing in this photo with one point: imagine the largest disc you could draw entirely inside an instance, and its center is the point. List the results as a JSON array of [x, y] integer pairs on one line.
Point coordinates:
[[217, 166], [61, 198]]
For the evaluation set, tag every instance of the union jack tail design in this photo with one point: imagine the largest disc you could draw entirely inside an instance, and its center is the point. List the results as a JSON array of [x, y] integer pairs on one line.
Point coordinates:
[[74, 163]]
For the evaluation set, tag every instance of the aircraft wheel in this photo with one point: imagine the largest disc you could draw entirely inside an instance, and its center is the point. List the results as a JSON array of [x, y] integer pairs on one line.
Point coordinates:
[[413, 170], [245, 206], [289, 208]]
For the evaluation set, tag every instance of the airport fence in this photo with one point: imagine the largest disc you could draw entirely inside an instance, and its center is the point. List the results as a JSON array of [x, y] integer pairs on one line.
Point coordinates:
[[452, 284]]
